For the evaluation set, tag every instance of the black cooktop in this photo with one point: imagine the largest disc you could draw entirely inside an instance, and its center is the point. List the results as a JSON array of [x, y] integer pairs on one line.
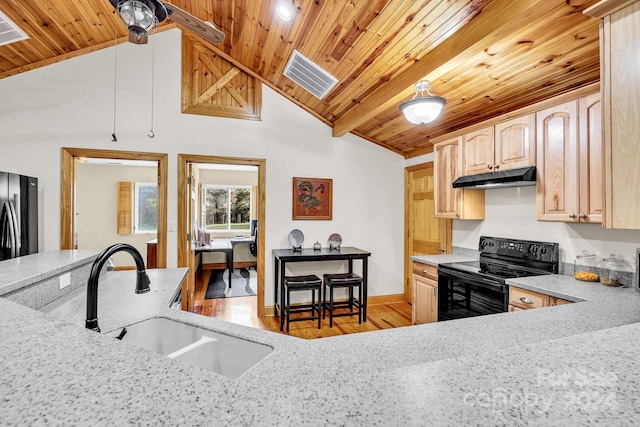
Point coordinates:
[[493, 270], [502, 259]]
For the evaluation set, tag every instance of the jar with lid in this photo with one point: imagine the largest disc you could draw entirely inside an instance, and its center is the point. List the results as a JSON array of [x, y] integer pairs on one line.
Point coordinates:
[[586, 267], [612, 272]]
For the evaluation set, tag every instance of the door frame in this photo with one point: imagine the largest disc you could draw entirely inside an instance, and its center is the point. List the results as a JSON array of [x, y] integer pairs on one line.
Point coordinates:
[[408, 266], [184, 198], [68, 194]]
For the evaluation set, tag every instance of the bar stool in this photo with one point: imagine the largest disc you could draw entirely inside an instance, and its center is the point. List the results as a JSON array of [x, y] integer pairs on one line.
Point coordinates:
[[343, 280], [303, 283]]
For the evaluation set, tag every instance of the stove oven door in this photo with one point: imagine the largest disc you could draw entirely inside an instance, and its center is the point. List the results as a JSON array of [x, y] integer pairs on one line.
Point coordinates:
[[461, 295]]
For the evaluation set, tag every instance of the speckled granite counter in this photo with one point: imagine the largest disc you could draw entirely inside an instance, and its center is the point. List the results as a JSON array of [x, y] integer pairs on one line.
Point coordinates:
[[566, 365]]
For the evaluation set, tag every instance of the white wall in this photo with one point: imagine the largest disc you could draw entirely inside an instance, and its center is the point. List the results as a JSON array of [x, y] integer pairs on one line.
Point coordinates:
[[71, 104], [511, 212]]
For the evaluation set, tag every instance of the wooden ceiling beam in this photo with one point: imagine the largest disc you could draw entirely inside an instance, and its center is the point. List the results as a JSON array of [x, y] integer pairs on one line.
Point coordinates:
[[495, 22]]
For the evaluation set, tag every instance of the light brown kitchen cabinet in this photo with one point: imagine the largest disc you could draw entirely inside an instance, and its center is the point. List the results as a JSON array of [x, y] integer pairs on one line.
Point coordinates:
[[569, 154], [449, 202], [507, 145], [620, 89], [424, 308], [479, 151], [524, 299]]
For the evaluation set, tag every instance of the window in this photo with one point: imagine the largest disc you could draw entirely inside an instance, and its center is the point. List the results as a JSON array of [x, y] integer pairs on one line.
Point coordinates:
[[226, 207], [146, 207]]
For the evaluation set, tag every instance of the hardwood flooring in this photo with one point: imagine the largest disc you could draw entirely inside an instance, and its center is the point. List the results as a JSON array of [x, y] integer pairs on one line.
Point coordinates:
[[243, 311]]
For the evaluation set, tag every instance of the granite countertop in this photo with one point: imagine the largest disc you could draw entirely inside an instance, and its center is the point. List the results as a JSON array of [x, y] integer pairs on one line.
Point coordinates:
[[441, 259], [572, 364]]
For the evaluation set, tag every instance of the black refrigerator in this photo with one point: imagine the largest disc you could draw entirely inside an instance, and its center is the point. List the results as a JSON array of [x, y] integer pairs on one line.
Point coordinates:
[[18, 215]]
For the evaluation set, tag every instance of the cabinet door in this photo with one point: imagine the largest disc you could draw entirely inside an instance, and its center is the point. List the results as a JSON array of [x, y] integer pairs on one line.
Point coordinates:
[[591, 155], [425, 302], [478, 152], [515, 145], [557, 187], [446, 162]]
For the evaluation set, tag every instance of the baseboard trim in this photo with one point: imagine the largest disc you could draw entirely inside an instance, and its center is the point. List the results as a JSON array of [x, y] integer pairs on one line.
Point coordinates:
[[269, 311]]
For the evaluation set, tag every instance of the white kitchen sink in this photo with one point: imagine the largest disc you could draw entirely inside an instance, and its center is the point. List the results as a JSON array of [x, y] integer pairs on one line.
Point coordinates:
[[215, 352]]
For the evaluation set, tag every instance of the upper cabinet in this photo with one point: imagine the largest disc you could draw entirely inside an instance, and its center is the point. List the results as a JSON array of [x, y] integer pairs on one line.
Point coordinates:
[[449, 202], [569, 161], [508, 145], [620, 88]]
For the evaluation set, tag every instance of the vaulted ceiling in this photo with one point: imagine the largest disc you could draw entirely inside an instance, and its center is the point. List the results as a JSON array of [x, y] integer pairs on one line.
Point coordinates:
[[486, 57]]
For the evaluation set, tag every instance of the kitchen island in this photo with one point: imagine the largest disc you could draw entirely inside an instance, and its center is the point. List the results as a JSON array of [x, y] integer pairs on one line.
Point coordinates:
[[571, 364]]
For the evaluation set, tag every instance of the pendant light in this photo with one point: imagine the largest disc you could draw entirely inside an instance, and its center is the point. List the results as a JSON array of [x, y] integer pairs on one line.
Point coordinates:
[[422, 109]]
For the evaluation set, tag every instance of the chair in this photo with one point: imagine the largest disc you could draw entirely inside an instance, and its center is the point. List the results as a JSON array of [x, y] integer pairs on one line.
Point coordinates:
[[302, 283], [343, 280]]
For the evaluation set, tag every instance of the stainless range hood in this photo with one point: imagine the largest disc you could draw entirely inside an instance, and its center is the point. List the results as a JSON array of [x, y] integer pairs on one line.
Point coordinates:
[[508, 178]]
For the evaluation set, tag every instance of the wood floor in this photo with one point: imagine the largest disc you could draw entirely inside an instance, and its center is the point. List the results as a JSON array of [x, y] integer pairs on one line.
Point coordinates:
[[243, 310]]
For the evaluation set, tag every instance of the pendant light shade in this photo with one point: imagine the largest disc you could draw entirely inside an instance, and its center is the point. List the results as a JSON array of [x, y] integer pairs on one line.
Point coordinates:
[[138, 14], [422, 109]]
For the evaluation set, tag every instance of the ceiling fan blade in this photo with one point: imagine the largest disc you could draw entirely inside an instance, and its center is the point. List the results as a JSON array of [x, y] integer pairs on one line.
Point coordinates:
[[206, 30]]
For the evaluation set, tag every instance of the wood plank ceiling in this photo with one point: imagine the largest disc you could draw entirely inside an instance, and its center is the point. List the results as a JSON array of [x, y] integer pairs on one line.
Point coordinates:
[[486, 57]]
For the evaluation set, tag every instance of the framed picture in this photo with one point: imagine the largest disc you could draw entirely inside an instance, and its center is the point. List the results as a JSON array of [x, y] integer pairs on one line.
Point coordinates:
[[312, 198]]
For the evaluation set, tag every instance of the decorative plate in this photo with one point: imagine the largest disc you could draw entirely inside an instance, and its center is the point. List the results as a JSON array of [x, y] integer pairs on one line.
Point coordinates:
[[335, 240], [296, 238]]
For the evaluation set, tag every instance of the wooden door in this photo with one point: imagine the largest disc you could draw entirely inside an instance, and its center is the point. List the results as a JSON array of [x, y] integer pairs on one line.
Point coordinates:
[[515, 145], [591, 159], [189, 285], [425, 309], [425, 234], [557, 187], [479, 152], [446, 165]]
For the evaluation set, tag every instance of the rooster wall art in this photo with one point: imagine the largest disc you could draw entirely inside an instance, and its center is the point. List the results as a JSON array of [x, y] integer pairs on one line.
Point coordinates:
[[312, 198]]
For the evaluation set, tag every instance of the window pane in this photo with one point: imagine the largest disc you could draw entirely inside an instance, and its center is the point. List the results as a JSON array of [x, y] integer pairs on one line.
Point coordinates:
[[147, 208], [216, 204], [240, 208]]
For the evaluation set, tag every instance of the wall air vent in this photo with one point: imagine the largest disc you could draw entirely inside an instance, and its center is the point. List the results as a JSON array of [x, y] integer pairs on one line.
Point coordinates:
[[9, 32], [309, 75]]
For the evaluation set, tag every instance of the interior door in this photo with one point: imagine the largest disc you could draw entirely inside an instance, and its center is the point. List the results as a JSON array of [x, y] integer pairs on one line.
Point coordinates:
[[425, 234]]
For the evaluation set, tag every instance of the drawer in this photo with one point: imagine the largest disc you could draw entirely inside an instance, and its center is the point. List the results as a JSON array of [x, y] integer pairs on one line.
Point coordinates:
[[558, 301], [527, 299], [425, 270]]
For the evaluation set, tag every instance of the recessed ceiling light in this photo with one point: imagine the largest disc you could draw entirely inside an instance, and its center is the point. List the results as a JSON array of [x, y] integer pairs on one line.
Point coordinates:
[[285, 10]]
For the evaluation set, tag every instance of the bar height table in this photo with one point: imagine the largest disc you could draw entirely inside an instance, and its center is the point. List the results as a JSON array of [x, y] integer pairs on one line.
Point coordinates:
[[283, 256]]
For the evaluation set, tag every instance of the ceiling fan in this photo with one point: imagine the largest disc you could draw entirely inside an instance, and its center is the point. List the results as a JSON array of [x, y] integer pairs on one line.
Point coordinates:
[[142, 16]]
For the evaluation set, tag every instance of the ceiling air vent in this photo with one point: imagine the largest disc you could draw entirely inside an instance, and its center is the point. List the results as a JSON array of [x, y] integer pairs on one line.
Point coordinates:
[[309, 75], [9, 32]]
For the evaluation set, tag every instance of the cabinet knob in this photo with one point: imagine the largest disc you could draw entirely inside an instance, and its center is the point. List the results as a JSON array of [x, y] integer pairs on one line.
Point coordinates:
[[441, 250], [582, 216], [526, 300], [572, 215], [496, 167], [424, 270], [457, 213], [490, 167]]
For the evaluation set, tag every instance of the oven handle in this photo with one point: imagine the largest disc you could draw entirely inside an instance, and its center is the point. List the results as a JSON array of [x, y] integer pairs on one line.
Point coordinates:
[[496, 285]]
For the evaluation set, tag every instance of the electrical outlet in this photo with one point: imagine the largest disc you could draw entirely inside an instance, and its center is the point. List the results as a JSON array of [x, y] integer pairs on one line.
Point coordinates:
[[65, 280], [171, 226]]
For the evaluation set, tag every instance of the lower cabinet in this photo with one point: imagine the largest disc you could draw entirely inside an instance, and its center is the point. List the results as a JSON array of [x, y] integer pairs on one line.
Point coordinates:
[[524, 299], [425, 300]]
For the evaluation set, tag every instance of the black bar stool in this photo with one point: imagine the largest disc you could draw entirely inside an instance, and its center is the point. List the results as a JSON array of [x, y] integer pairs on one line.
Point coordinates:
[[303, 283], [343, 280]]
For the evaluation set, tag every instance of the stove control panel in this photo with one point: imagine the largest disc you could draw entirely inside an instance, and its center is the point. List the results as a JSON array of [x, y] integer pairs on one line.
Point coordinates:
[[521, 249]]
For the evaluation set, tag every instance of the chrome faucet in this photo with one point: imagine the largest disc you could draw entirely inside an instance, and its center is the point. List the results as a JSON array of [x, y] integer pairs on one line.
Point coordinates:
[[142, 280]]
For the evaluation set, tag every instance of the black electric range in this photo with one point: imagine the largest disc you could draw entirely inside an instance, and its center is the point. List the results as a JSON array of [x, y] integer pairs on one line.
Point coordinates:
[[468, 289]]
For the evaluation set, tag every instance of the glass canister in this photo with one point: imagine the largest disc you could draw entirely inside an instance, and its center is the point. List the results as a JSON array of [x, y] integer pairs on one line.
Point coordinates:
[[586, 267], [612, 272]]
